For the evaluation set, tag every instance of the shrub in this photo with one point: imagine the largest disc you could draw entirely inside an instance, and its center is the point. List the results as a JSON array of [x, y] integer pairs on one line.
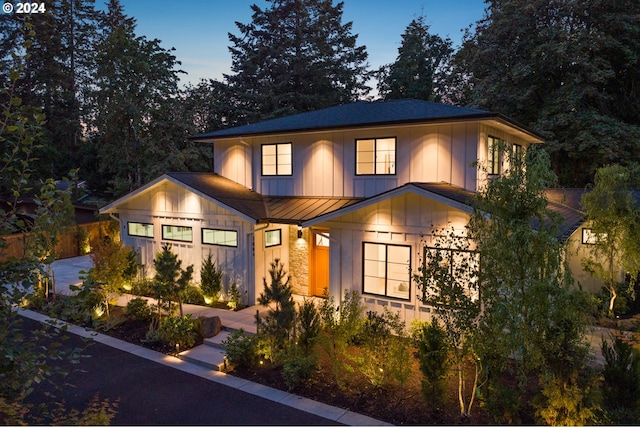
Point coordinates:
[[433, 354], [309, 325], [241, 349], [210, 279], [298, 368], [138, 308], [234, 298], [179, 332], [621, 381], [192, 295]]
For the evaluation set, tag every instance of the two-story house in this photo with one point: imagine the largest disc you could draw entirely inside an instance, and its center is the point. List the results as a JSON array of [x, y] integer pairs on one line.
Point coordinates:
[[343, 196]]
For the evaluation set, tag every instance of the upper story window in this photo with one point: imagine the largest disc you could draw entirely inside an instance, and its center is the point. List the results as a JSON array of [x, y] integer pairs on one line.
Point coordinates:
[[276, 159], [493, 154], [376, 156], [140, 229], [220, 237], [175, 232]]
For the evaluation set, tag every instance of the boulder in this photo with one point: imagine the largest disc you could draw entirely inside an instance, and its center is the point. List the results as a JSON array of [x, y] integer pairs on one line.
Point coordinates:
[[210, 326]]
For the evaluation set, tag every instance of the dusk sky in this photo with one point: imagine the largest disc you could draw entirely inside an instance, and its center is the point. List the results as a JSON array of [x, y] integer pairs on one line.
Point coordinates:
[[198, 29]]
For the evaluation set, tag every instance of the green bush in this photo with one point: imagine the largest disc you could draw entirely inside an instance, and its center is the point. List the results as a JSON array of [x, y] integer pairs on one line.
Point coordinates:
[[138, 308], [241, 349], [298, 368], [179, 332], [192, 295], [621, 381], [309, 326], [433, 354], [210, 278]]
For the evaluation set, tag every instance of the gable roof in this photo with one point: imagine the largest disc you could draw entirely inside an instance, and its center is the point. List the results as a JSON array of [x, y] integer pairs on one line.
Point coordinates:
[[363, 113]]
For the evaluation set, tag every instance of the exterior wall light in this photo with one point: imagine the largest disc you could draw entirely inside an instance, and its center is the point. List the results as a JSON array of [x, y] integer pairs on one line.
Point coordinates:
[[299, 232]]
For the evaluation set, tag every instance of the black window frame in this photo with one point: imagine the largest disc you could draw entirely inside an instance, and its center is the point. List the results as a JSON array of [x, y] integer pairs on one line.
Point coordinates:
[[386, 271], [202, 231], [279, 232], [494, 154], [276, 144], [375, 160], [140, 235], [177, 240]]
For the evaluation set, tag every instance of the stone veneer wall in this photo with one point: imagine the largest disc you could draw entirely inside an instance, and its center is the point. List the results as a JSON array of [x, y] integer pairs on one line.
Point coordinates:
[[299, 260]]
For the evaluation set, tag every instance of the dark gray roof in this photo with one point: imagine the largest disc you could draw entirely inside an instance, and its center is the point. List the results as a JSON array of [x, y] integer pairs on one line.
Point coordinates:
[[360, 113], [279, 209]]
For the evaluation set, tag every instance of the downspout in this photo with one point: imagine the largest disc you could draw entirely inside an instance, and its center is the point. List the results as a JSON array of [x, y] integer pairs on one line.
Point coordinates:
[[337, 242]]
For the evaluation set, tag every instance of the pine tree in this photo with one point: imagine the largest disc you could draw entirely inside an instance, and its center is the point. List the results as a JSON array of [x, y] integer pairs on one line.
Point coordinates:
[[420, 67], [568, 69], [295, 56]]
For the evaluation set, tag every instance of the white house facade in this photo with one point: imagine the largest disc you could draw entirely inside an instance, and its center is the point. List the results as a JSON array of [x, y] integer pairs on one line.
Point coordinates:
[[345, 197]]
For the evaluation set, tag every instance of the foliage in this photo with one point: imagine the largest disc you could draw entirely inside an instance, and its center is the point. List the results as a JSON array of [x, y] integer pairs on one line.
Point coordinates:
[[298, 369], [611, 209], [170, 279], [308, 326], [621, 386], [382, 339], [448, 280], [138, 308], [419, 69], [179, 332], [567, 69], [210, 279], [90, 301], [192, 295], [527, 289], [275, 328], [295, 56], [234, 302], [433, 355], [241, 349], [341, 325], [114, 265]]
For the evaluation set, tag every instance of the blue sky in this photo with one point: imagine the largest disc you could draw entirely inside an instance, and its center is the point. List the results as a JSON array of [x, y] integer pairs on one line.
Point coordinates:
[[198, 29]]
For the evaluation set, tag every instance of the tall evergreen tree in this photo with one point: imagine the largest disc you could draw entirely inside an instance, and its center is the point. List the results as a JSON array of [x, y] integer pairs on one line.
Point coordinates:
[[296, 56], [568, 69], [420, 68], [135, 82]]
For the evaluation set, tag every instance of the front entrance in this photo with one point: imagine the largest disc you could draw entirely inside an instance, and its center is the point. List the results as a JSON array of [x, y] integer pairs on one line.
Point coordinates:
[[319, 264]]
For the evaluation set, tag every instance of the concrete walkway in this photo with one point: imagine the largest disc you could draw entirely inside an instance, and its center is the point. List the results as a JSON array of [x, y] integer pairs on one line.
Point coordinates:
[[204, 360]]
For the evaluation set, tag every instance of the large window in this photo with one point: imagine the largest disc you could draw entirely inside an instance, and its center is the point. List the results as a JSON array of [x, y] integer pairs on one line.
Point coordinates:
[[272, 238], [220, 237], [276, 159], [140, 229], [386, 270], [458, 267], [493, 155], [376, 156], [174, 232]]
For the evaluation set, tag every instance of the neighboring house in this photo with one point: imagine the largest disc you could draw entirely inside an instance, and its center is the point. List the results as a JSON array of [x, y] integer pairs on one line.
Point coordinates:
[[343, 196]]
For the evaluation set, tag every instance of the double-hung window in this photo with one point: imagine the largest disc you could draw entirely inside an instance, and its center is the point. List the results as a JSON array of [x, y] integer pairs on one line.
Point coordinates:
[[276, 159], [140, 229], [178, 233], [386, 270], [376, 156]]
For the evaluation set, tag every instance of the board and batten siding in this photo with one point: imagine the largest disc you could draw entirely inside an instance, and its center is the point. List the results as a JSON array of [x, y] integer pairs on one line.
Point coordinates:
[[406, 219], [171, 204]]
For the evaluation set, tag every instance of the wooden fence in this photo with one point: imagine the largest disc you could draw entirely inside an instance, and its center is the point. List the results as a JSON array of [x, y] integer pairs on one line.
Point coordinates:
[[74, 241]]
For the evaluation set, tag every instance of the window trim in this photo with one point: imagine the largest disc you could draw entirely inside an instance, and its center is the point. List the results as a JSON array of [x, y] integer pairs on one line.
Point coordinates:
[[450, 261], [140, 235], [375, 152], [202, 231], [277, 164], [279, 232], [176, 240], [386, 271], [589, 237]]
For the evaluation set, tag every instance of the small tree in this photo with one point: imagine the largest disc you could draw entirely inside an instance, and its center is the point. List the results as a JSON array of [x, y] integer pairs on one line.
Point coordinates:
[[448, 279], [170, 279], [615, 222], [276, 326], [210, 279]]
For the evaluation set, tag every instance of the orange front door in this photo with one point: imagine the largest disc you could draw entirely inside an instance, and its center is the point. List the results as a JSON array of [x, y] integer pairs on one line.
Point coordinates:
[[319, 264]]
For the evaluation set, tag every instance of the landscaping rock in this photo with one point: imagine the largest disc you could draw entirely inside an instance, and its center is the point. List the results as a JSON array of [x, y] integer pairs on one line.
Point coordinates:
[[211, 326]]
